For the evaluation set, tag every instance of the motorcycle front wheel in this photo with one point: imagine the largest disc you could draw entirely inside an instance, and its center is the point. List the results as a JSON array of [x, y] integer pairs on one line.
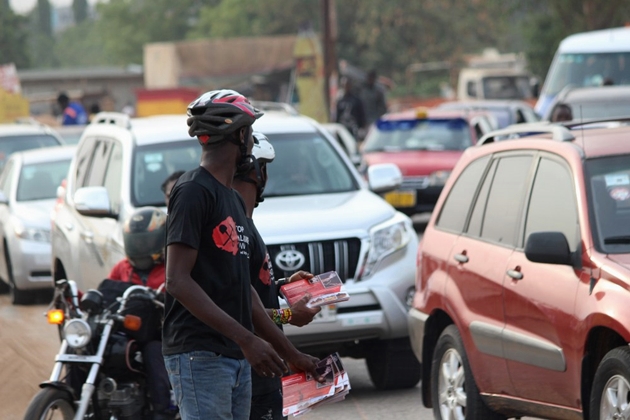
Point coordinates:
[[50, 404]]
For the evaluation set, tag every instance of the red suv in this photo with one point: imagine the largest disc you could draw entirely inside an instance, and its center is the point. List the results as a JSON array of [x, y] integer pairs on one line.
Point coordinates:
[[522, 302], [425, 144]]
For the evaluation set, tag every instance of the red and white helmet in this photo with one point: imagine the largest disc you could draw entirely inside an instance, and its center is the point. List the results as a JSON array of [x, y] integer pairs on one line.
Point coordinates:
[[218, 113]]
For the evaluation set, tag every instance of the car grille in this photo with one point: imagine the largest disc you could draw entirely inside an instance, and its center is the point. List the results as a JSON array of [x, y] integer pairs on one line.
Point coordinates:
[[340, 255], [415, 183]]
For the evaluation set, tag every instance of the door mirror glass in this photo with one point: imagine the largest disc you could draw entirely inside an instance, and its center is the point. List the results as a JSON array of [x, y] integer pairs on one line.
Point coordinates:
[[384, 177], [548, 248], [93, 201]]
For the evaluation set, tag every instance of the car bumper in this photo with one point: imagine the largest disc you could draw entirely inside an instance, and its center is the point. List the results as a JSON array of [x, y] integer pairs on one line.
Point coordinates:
[[31, 265], [417, 321], [376, 308]]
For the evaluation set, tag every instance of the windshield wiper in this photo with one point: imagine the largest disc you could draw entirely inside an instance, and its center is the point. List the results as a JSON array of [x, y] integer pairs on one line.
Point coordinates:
[[617, 240]]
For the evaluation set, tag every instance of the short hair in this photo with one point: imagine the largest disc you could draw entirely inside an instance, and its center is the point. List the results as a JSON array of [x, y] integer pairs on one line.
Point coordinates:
[[172, 177], [63, 99]]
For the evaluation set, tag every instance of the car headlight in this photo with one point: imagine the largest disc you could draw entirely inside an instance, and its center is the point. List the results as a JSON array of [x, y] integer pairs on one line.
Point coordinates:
[[31, 233], [438, 178], [386, 239], [77, 333]]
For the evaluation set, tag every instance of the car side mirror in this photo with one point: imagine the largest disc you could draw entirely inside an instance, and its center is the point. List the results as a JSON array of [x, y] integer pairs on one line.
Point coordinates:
[[93, 202], [3, 198], [548, 248], [384, 177]]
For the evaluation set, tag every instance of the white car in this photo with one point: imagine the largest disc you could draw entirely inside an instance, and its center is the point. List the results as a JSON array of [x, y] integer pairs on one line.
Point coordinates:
[[318, 215], [28, 186]]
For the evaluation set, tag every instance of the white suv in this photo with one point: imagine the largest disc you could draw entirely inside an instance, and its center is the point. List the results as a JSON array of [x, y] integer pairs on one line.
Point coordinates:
[[318, 215]]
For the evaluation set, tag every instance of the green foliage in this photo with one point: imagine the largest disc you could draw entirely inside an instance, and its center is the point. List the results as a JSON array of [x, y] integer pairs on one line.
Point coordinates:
[[44, 18], [13, 37], [81, 46]]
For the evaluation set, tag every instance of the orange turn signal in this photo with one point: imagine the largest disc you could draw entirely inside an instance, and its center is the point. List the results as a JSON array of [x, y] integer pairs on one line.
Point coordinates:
[[132, 322], [55, 316]]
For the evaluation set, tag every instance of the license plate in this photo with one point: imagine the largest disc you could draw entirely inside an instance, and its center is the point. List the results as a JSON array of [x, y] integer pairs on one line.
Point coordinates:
[[401, 198], [327, 314]]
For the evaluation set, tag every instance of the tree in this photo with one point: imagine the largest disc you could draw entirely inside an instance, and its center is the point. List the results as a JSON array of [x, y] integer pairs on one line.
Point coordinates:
[[13, 37], [81, 46], [80, 10], [44, 18]]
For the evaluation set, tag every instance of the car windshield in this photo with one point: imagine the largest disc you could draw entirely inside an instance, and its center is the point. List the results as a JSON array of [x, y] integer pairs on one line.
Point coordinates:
[[39, 181], [506, 87], [582, 70], [12, 144], [609, 184], [152, 164], [306, 163], [431, 134]]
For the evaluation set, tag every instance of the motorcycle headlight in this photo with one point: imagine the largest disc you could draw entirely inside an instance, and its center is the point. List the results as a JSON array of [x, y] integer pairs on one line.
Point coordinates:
[[386, 239], [31, 233], [77, 333], [438, 178]]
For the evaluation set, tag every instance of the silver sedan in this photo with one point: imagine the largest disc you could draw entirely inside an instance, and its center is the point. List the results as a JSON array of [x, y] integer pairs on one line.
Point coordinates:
[[28, 190]]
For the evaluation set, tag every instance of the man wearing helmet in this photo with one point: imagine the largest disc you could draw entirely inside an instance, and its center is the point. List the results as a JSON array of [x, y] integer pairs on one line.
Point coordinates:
[[267, 392], [143, 237], [210, 310]]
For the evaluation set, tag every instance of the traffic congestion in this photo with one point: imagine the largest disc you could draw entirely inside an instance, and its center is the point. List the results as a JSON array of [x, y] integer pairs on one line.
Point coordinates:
[[281, 228]]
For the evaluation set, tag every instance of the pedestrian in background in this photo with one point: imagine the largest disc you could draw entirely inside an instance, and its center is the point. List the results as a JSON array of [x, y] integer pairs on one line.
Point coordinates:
[[373, 98], [350, 111], [72, 112]]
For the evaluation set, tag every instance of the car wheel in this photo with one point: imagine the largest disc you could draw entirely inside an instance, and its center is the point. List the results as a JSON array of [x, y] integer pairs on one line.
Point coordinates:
[[393, 365], [610, 396], [18, 297], [454, 393]]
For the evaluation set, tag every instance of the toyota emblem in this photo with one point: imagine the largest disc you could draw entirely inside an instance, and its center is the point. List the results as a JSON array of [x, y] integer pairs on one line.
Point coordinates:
[[290, 260]]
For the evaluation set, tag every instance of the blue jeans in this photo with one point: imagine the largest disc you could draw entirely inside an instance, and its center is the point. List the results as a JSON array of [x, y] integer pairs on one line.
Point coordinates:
[[209, 386]]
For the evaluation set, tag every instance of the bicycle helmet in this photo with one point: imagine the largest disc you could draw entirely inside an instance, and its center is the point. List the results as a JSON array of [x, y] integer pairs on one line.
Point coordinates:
[[263, 153], [218, 113], [144, 236]]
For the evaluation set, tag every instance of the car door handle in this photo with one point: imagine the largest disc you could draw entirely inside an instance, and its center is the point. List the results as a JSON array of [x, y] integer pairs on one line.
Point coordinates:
[[515, 274], [462, 258]]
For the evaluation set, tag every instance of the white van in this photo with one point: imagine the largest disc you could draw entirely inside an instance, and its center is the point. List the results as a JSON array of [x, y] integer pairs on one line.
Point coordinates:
[[586, 59]]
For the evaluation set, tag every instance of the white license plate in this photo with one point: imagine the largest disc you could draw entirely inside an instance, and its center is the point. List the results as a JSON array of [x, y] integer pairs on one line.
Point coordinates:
[[362, 320], [327, 314]]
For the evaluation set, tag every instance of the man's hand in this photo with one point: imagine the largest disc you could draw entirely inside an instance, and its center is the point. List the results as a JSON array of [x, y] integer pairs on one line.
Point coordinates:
[[302, 362], [263, 358], [300, 275], [302, 314]]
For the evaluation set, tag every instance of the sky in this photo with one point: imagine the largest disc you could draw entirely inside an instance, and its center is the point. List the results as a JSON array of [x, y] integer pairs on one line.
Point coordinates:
[[25, 6]]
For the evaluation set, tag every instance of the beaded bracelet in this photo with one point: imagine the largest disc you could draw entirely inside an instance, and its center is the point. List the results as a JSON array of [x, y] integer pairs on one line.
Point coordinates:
[[281, 316]]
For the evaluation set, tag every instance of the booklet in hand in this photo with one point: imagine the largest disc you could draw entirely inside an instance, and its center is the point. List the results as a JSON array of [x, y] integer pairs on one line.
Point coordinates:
[[301, 392], [324, 289]]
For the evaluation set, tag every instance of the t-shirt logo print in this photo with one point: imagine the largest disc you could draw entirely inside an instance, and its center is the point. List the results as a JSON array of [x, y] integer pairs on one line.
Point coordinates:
[[225, 236], [265, 272]]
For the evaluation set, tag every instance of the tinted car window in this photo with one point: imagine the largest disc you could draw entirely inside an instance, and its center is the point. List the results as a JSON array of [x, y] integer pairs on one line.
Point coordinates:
[[12, 144], [153, 163], [608, 181], [552, 205], [505, 200], [40, 181], [431, 134], [113, 176], [6, 178], [84, 160], [100, 159], [455, 208], [476, 218], [306, 163]]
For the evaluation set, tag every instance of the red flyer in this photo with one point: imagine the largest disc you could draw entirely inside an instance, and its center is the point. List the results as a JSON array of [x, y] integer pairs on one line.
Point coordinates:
[[325, 289]]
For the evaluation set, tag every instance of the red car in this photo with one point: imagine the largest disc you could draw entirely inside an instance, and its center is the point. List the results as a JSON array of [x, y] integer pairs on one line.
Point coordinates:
[[426, 145], [522, 302]]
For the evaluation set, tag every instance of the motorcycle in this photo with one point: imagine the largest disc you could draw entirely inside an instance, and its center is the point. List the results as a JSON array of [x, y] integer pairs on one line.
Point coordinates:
[[98, 372]]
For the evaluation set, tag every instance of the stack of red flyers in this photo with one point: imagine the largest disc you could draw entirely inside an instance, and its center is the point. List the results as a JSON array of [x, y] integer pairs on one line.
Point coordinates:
[[325, 289], [302, 393]]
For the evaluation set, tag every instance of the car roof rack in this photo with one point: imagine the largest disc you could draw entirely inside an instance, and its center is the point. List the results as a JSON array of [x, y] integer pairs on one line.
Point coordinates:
[[275, 106], [115, 118], [593, 121], [558, 132]]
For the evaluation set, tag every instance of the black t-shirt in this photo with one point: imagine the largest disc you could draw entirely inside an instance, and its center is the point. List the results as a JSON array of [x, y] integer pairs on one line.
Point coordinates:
[[209, 217], [261, 273]]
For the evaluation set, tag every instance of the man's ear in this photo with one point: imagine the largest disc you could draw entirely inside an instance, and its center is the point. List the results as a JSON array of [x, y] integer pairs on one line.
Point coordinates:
[[243, 135]]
